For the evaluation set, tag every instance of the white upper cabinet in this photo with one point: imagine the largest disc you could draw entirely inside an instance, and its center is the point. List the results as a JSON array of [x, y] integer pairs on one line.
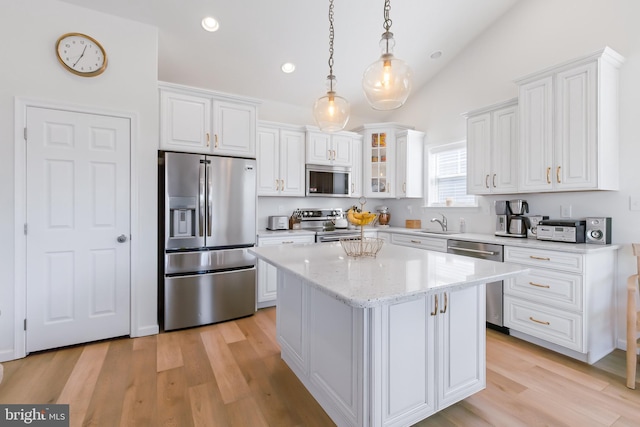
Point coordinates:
[[390, 170], [329, 148], [356, 167], [492, 160], [569, 125], [410, 158], [281, 168], [199, 121]]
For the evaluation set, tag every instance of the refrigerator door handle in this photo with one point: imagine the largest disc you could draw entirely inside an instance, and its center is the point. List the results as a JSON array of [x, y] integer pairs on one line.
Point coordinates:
[[201, 198], [209, 198]]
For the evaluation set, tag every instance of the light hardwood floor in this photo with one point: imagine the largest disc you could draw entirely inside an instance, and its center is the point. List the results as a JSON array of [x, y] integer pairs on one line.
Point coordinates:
[[231, 374]]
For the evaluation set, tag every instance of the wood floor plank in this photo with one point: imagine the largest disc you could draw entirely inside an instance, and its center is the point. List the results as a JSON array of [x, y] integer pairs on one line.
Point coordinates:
[[169, 351], [197, 370], [230, 380], [230, 331], [139, 404], [262, 383], [114, 379], [81, 384], [207, 408], [173, 404], [261, 342], [244, 412], [231, 374], [298, 399]]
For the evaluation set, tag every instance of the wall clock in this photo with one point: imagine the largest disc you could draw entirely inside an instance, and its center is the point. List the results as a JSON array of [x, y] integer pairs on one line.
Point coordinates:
[[81, 54]]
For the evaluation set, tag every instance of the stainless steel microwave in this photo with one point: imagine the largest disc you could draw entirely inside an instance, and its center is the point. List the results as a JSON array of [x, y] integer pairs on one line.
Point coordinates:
[[332, 181]]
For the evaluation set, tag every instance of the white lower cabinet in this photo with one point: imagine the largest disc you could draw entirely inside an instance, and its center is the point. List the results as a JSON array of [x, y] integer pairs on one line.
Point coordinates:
[[564, 302], [389, 365], [268, 274], [430, 243]]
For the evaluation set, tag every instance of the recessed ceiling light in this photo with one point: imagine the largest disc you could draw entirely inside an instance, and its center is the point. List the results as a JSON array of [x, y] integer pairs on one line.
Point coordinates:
[[288, 67], [435, 55], [210, 24]]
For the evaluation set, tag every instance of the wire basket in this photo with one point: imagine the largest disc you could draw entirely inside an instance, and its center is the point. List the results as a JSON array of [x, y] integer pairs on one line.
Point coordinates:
[[361, 246]]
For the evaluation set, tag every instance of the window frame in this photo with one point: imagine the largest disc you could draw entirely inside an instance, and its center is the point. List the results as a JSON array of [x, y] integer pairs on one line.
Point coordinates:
[[430, 178]]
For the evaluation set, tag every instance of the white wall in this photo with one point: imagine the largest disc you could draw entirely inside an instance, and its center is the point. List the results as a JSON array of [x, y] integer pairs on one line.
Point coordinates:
[[533, 35], [29, 30]]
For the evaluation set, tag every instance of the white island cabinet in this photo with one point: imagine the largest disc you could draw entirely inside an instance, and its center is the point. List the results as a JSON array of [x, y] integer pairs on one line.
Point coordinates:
[[384, 341]]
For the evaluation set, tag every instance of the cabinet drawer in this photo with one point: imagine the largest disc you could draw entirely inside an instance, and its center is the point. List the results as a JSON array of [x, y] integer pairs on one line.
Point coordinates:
[[430, 243], [549, 324], [543, 258], [288, 239], [549, 287]]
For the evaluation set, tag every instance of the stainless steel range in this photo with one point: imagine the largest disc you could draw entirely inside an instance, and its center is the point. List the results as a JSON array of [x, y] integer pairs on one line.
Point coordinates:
[[322, 221]]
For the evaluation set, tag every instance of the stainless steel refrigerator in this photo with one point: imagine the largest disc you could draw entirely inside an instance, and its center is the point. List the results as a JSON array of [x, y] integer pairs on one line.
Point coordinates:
[[207, 222]]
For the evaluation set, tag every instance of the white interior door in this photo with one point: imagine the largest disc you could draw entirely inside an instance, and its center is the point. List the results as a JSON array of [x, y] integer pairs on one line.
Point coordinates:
[[78, 227]]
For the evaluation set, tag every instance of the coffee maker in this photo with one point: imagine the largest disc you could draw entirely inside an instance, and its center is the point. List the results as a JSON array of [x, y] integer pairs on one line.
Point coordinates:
[[510, 219]]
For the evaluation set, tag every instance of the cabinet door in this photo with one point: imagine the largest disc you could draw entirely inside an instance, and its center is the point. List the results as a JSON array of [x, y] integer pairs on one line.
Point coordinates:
[[479, 154], [379, 164], [356, 167], [575, 129], [267, 284], [407, 358], [536, 135], [342, 150], [292, 165], [462, 343], [185, 122], [318, 148], [268, 161], [234, 129], [504, 159]]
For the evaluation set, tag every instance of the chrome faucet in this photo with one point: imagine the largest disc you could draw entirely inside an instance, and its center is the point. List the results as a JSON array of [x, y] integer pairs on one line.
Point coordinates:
[[442, 223]]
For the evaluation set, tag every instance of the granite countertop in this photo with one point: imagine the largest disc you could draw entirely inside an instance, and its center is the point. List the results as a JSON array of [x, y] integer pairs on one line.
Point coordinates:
[[530, 243], [397, 273], [268, 233]]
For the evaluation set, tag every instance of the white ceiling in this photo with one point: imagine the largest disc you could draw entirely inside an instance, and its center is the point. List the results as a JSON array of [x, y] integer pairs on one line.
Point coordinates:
[[256, 36]]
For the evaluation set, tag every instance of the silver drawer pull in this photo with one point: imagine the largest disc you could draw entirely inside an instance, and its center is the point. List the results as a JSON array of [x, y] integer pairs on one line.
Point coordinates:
[[539, 285], [540, 258], [416, 241], [538, 321], [475, 251], [288, 241]]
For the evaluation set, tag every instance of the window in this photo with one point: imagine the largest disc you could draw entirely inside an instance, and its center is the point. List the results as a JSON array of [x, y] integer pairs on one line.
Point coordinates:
[[447, 176]]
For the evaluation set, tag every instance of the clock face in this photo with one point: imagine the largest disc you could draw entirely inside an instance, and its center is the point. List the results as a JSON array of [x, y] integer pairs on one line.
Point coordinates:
[[81, 54]]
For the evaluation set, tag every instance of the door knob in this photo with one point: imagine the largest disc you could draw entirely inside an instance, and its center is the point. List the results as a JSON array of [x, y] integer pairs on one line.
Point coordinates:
[[122, 238]]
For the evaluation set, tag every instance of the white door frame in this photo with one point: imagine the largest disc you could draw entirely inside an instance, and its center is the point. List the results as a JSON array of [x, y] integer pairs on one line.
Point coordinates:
[[20, 241]]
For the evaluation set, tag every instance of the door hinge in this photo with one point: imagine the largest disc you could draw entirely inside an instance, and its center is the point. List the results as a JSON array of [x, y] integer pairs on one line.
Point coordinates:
[[25, 134], [25, 324], [25, 229]]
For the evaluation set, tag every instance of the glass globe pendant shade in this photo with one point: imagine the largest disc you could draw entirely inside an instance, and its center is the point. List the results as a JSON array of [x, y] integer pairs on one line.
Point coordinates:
[[387, 82], [331, 112]]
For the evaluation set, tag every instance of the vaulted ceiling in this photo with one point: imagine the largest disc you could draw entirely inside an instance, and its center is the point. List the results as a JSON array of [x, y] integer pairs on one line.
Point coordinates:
[[257, 36]]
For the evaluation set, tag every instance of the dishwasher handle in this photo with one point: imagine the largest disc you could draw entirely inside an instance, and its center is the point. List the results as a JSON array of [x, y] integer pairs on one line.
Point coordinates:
[[475, 251]]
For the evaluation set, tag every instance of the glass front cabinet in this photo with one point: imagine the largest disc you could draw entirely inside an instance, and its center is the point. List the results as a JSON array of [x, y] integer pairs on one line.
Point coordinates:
[[380, 160]]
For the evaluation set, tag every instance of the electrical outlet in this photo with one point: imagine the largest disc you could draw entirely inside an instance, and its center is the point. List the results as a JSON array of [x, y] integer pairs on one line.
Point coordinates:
[[565, 211], [634, 203]]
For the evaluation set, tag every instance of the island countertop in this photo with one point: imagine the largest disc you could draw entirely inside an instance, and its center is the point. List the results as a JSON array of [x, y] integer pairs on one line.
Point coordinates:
[[396, 274]]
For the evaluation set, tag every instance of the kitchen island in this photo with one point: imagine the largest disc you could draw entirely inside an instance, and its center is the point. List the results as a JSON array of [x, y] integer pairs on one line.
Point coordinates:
[[384, 341]]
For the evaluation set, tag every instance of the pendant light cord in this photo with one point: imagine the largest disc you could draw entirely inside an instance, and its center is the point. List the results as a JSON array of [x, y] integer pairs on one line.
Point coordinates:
[[331, 45], [387, 20]]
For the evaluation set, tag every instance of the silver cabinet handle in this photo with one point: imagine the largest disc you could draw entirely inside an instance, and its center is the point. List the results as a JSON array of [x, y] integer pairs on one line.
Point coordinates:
[[121, 238]]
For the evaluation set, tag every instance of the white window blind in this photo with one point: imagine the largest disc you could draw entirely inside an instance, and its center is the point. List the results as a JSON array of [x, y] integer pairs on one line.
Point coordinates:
[[448, 176]]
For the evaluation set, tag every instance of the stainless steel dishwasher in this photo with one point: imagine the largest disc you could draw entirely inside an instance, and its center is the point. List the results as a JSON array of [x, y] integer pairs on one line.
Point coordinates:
[[493, 252]]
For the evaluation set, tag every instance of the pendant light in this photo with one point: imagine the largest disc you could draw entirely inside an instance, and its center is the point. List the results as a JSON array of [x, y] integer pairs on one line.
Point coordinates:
[[331, 112], [387, 82]]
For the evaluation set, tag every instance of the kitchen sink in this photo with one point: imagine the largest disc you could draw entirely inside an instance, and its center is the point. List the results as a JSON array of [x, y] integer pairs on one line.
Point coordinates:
[[437, 232]]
